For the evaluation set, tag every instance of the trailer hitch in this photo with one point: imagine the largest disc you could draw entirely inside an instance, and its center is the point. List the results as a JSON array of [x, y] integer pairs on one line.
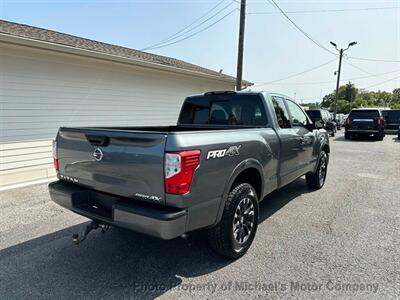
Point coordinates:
[[86, 229]]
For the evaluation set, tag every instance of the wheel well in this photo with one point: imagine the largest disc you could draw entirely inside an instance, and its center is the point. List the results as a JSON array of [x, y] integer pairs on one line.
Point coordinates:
[[250, 176], [326, 149]]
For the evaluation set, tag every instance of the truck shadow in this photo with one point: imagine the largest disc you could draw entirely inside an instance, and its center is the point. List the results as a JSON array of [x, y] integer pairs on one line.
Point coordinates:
[[357, 139], [118, 264], [279, 198]]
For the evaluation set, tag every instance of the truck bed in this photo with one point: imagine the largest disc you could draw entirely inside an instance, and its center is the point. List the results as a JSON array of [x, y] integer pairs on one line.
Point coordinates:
[[166, 129]]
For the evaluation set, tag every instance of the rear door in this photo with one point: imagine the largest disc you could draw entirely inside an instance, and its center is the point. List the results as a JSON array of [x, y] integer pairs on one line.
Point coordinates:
[[290, 143], [364, 119], [124, 163], [305, 137]]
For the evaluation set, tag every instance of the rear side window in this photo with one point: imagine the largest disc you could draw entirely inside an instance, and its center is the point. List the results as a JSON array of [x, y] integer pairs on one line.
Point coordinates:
[[298, 116], [364, 114], [281, 112], [314, 114], [224, 109]]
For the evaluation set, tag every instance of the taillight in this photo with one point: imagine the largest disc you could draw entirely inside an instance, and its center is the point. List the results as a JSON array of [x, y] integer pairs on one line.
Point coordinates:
[[179, 170], [379, 120], [348, 121], [55, 156]]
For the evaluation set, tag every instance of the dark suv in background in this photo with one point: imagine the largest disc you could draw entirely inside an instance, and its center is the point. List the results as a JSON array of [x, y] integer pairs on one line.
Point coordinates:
[[324, 115], [365, 122], [392, 120]]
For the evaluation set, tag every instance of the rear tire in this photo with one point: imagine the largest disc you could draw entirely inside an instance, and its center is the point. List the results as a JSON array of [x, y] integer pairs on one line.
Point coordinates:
[[234, 234], [316, 180], [347, 136]]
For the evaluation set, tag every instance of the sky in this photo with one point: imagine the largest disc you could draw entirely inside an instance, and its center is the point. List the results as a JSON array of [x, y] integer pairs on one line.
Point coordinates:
[[274, 47]]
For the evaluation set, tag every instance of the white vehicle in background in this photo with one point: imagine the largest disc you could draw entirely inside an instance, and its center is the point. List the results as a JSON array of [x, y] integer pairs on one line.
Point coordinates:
[[339, 120], [344, 118]]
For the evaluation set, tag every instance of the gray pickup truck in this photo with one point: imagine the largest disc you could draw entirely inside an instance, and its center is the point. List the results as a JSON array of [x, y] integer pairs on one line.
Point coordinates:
[[210, 171]]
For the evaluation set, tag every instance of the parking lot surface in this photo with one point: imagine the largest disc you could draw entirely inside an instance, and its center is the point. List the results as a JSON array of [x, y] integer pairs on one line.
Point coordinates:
[[342, 241]]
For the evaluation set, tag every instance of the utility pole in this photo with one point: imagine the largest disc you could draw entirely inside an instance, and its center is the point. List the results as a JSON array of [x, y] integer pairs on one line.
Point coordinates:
[[338, 75], [337, 85], [239, 72]]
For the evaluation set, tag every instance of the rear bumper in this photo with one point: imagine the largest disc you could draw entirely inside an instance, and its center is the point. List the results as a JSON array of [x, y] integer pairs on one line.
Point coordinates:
[[391, 131], [364, 131], [161, 222]]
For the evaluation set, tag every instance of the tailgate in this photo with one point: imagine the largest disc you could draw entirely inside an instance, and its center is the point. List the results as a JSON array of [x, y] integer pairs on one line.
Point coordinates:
[[124, 163], [363, 124]]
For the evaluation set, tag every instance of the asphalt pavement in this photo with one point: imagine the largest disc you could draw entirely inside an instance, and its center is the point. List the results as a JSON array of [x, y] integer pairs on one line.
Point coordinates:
[[342, 241]]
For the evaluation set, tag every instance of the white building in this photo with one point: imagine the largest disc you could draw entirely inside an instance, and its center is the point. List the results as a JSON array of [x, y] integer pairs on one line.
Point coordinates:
[[49, 79]]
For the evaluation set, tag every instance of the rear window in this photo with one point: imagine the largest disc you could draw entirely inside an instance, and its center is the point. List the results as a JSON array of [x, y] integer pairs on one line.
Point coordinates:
[[364, 114], [392, 116], [224, 109], [314, 114]]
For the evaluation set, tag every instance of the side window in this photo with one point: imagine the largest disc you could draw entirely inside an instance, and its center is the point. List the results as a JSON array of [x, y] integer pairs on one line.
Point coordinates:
[[281, 112], [298, 116]]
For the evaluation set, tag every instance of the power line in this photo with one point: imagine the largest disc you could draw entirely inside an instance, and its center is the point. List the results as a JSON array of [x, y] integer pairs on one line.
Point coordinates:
[[197, 32], [300, 29], [187, 28], [326, 10], [364, 71], [330, 82], [380, 83], [373, 59], [297, 74], [323, 10]]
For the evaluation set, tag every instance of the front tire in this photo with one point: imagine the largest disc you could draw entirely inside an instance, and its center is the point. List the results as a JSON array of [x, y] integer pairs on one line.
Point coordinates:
[[234, 234], [316, 180]]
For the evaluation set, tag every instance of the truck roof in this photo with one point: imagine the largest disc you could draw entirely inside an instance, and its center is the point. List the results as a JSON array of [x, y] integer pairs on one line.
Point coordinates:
[[247, 92]]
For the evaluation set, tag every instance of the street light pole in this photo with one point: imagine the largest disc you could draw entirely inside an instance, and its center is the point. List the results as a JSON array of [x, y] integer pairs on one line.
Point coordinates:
[[240, 46], [337, 85], [338, 74]]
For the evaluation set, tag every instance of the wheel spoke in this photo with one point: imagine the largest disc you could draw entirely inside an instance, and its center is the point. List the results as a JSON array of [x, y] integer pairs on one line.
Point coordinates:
[[243, 220]]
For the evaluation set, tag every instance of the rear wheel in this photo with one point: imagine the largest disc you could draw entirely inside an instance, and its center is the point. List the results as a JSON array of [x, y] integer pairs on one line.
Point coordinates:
[[316, 180], [347, 136], [235, 232]]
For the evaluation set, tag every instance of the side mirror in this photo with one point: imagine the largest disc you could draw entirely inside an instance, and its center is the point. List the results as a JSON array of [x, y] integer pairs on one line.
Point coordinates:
[[319, 124]]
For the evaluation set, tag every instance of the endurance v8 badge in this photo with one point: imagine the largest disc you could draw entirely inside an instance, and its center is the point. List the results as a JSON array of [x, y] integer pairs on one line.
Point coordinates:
[[231, 151]]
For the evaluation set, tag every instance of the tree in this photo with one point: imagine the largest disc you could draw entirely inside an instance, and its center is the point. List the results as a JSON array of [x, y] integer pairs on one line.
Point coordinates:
[[350, 96], [343, 106], [311, 105], [350, 92], [328, 100]]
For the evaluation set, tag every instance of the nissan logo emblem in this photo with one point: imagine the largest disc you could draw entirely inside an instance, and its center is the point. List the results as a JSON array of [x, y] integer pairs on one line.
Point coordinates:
[[98, 154]]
